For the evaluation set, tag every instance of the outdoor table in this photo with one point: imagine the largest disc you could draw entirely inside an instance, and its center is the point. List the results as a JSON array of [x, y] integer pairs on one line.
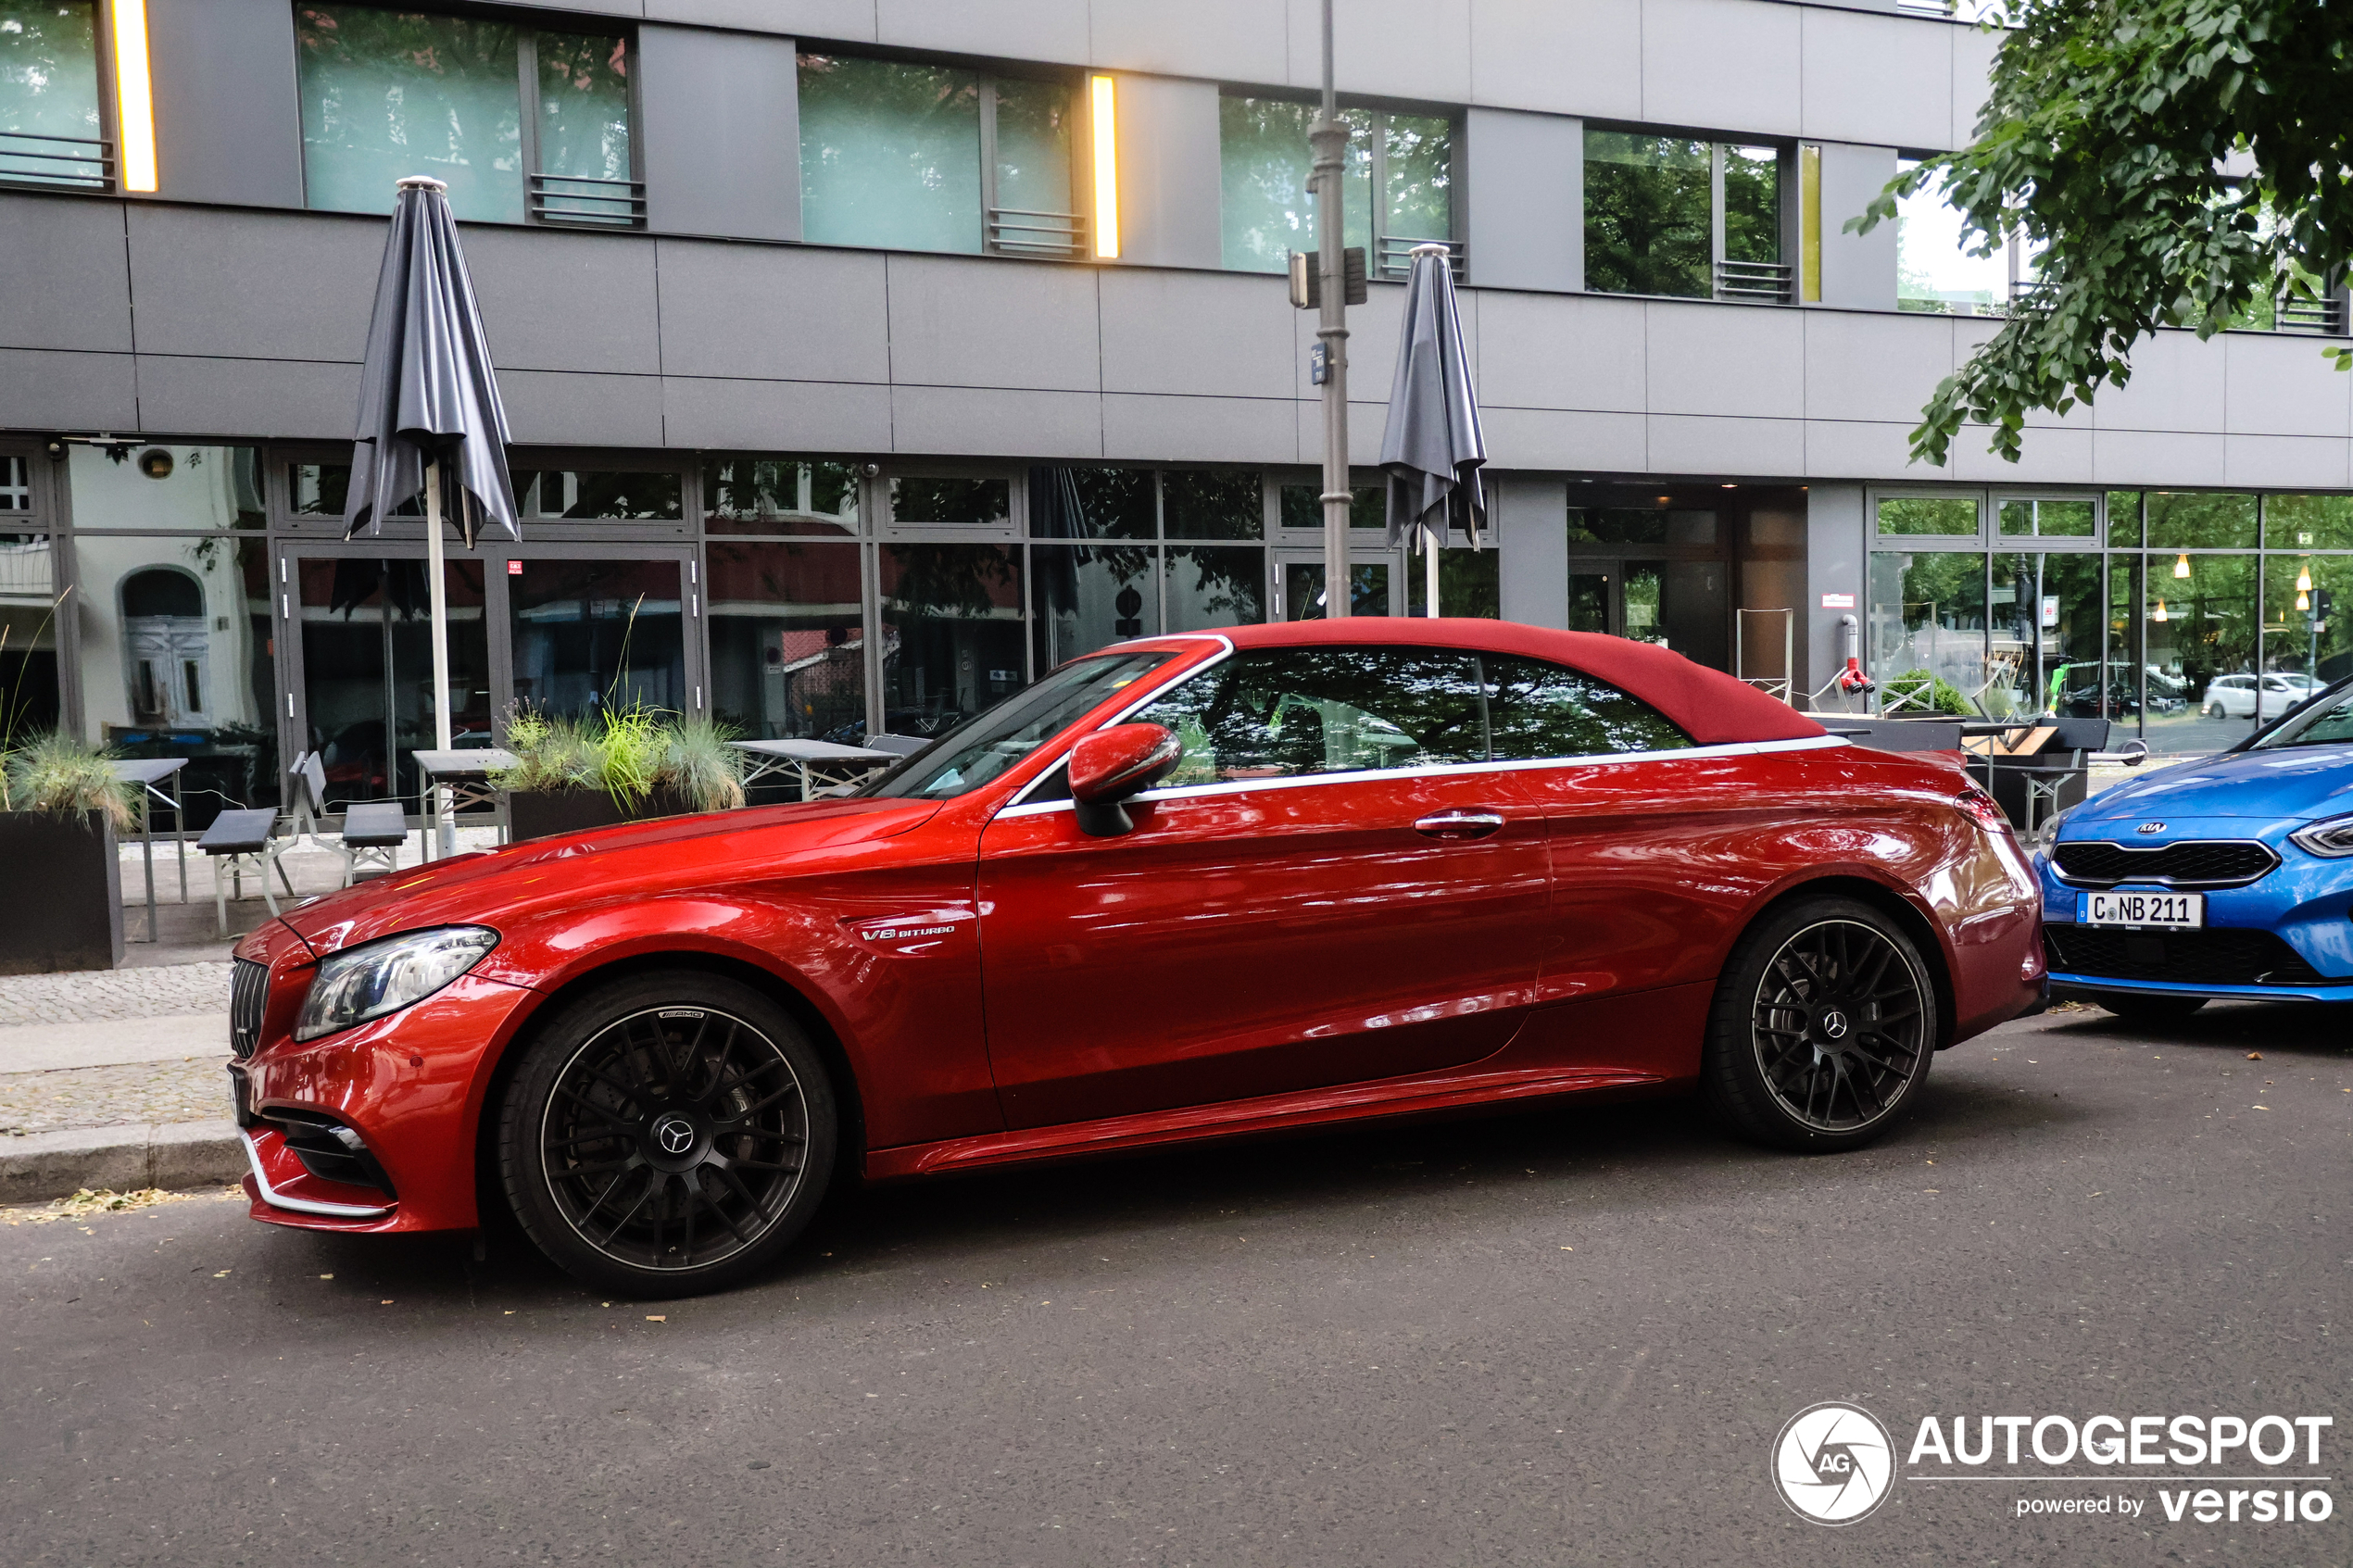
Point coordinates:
[[815, 760], [147, 772], [466, 775]]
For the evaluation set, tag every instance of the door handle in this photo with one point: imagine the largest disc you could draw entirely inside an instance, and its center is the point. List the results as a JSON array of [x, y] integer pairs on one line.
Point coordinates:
[[1459, 823]]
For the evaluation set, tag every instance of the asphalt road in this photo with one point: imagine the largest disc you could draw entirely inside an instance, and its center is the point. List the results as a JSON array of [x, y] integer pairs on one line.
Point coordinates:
[[1569, 1335]]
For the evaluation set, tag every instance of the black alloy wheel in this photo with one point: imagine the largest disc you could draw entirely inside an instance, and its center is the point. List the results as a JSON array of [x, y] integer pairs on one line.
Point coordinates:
[[1823, 1027], [668, 1135]]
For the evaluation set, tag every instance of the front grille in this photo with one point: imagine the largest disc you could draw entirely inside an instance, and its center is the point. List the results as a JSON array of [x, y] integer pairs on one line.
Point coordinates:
[[2195, 863], [330, 1150], [248, 997], [2216, 956]]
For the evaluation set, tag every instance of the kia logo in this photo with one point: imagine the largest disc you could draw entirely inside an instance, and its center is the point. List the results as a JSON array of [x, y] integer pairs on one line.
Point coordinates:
[[2150, 827], [675, 1134]]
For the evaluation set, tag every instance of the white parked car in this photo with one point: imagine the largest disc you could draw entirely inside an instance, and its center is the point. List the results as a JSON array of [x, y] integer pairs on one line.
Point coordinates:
[[2233, 696]]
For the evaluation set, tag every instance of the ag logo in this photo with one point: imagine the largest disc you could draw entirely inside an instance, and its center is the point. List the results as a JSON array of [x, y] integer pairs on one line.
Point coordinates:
[[1833, 1463]]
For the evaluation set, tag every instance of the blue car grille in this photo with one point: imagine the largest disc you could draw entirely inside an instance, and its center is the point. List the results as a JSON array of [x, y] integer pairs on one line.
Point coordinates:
[[2216, 956], [2211, 863]]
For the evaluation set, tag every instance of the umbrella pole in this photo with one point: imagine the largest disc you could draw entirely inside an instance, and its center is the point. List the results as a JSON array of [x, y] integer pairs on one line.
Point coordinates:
[[445, 832], [1430, 573]]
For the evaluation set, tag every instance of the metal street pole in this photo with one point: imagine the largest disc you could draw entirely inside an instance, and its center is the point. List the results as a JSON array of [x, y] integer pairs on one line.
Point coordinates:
[[1329, 136]]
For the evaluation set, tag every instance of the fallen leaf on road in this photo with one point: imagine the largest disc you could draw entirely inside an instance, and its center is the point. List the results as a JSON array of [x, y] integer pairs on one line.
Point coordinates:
[[223, 1274], [656, 1317], [2255, 1055]]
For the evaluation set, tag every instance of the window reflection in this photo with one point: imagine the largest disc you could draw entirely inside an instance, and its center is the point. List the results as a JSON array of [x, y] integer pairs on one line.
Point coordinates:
[[49, 95], [787, 640], [952, 636], [1538, 710], [1210, 585], [778, 496], [367, 667], [1648, 215], [890, 153], [154, 489], [1283, 712], [29, 605]]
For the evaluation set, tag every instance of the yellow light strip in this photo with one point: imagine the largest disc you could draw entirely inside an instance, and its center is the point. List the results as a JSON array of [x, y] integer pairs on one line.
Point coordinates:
[[1106, 169], [134, 101]]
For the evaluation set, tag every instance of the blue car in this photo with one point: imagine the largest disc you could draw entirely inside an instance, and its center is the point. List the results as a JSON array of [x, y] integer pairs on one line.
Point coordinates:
[[2230, 877]]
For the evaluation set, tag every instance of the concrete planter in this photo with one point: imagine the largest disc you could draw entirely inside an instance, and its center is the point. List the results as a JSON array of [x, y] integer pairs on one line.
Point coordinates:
[[546, 813], [64, 908]]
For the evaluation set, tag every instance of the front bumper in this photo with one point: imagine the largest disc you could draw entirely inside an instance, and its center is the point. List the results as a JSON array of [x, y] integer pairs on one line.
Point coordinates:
[[2286, 938], [411, 1086]]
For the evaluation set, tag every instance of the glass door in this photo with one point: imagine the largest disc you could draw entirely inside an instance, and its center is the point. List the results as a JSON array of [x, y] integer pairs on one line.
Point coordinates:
[[588, 631], [1684, 604], [1298, 585], [365, 675]]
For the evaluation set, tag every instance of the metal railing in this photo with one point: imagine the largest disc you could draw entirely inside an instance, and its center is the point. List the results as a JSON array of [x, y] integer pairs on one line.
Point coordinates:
[[598, 204], [74, 163], [1754, 282], [1016, 231], [25, 571], [1393, 257], [2301, 313]]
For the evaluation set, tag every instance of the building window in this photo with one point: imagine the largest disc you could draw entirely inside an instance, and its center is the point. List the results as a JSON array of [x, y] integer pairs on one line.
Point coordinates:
[[520, 123], [1667, 214], [1948, 516], [567, 493], [1400, 169], [1934, 272], [908, 157], [787, 639], [779, 495], [51, 129], [16, 484], [2049, 520]]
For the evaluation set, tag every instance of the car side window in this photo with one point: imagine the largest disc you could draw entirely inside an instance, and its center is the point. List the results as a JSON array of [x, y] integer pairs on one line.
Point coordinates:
[[1538, 710], [1269, 713]]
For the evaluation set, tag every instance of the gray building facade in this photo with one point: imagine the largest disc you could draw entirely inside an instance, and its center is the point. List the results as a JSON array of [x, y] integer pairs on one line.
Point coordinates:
[[867, 357]]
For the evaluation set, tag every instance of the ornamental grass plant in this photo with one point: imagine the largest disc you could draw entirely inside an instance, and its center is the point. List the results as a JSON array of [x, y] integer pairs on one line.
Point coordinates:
[[625, 753], [62, 775]]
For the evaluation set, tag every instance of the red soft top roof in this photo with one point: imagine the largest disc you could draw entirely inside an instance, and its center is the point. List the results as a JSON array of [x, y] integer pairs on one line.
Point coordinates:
[[1710, 706]]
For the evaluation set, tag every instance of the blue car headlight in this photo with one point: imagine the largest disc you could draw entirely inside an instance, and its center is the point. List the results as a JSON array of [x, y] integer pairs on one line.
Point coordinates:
[[382, 977], [2331, 837], [2046, 835]]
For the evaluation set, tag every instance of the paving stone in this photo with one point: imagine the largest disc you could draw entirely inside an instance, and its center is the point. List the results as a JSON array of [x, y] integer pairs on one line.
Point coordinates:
[[92, 995], [140, 1095]]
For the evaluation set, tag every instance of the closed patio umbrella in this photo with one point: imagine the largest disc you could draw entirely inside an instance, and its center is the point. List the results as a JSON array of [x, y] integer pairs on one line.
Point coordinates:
[[430, 418], [1432, 447]]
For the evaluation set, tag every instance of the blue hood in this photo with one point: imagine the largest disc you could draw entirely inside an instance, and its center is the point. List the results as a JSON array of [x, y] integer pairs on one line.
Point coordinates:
[[2292, 783]]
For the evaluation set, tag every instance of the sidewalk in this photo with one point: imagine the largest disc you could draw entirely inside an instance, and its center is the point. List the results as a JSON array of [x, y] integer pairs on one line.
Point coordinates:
[[114, 1079]]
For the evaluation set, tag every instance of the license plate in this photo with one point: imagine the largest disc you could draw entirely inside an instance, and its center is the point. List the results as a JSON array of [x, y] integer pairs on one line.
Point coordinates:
[[2162, 912]]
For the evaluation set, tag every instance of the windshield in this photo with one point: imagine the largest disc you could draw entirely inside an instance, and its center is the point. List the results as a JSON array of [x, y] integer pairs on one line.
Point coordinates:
[[987, 744], [2328, 720]]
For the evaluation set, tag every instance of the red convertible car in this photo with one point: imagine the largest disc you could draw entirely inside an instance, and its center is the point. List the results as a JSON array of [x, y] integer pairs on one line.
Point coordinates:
[[1188, 887]]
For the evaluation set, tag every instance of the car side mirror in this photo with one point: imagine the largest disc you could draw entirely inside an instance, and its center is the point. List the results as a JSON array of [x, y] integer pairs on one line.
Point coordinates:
[[1112, 765]]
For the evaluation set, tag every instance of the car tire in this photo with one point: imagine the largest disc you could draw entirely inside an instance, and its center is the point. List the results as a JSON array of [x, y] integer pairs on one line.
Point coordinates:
[[1824, 1023], [667, 1134], [2149, 1008]]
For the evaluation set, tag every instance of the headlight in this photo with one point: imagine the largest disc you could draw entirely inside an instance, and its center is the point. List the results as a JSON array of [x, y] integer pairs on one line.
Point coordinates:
[[2331, 838], [2047, 835], [367, 981]]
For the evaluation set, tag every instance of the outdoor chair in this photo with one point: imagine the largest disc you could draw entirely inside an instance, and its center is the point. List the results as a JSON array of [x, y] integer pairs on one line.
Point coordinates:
[[372, 831], [2043, 769], [238, 842]]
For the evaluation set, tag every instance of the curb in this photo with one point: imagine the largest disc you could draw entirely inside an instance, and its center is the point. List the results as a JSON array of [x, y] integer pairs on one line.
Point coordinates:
[[186, 1154]]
